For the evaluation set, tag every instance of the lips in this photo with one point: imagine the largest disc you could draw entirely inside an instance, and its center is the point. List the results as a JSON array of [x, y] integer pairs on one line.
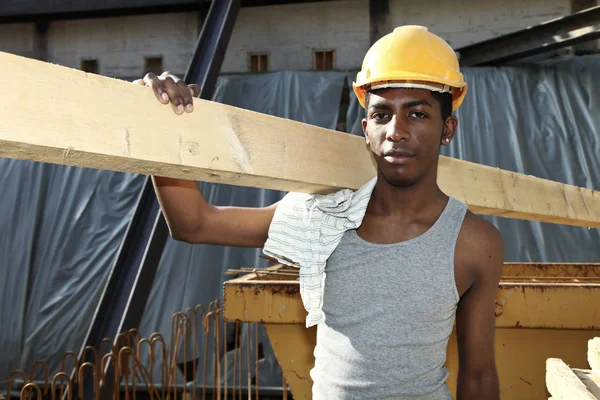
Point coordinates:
[[398, 156]]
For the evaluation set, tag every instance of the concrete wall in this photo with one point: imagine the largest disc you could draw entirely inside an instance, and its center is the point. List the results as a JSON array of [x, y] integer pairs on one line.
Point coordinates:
[[463, 22], [17, 39], [290, 34], [120, 44]]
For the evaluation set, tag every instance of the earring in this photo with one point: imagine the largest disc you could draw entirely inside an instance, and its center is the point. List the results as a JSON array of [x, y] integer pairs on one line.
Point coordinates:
[[447, 140]]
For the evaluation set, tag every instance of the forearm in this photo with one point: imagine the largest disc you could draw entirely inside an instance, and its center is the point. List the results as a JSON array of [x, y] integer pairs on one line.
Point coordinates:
[[182, 204], [483, 386]]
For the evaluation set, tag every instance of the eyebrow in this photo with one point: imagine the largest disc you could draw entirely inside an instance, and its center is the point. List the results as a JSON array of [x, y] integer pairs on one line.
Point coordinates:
[[415, 103], [379, 106], [410, 104]]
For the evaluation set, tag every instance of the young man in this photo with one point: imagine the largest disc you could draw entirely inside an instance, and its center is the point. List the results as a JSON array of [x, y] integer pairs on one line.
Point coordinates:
[[416, 260]]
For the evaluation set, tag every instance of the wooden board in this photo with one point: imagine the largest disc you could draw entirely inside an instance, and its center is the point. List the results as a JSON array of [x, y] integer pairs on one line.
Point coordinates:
[[563, 384], [590, 379], [60, 115], [594, 354]]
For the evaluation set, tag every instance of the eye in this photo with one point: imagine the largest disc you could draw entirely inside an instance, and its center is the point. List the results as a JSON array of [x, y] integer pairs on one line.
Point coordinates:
[[379, 116], [418, 115]]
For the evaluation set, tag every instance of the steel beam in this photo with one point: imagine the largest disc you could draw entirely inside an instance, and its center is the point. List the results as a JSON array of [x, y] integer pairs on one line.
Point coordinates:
[[52, 10], [558, 33], [123, 300]]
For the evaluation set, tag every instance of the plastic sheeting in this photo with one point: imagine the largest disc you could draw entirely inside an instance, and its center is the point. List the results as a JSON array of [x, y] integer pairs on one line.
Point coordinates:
[[541, 120], [194, 274], [60, 229]]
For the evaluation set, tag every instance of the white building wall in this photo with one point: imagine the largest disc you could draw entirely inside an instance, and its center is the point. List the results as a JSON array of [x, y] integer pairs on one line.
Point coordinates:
[[17, 39], [290, 33], [120, 44], [463, 22]]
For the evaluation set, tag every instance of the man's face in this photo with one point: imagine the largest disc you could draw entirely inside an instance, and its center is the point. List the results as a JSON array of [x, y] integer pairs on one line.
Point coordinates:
[[404, 130]]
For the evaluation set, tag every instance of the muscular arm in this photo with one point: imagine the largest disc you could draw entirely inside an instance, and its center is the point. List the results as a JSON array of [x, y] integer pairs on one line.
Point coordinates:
[[192, 219], [475, 319]]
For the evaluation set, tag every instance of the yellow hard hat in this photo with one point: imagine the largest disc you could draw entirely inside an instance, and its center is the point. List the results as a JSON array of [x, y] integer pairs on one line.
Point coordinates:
[[413, 57]]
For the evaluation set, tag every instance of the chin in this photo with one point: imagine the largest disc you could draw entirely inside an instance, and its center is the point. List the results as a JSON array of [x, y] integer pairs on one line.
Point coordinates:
[[399, 179]]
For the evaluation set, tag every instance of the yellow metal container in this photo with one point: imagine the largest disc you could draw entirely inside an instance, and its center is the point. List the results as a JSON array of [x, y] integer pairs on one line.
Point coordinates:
[[542, 311]]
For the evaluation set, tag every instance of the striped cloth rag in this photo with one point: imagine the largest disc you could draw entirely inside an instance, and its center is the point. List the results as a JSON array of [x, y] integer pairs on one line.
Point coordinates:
[[306, 229]]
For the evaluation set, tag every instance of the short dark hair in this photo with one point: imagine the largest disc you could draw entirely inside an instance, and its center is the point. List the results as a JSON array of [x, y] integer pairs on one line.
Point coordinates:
[[444, 99]]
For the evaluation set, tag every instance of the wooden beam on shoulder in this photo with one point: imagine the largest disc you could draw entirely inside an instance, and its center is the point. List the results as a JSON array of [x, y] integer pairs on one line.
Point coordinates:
[[59, 115], [563, 384]]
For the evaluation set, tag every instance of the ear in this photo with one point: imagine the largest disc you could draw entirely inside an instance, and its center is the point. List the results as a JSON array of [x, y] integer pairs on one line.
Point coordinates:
[[449, 130], [365, 132]]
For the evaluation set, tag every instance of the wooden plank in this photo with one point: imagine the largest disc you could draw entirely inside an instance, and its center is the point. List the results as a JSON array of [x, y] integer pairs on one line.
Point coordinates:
[[594, 354], [73, 118], [563, 384], [590, 379]]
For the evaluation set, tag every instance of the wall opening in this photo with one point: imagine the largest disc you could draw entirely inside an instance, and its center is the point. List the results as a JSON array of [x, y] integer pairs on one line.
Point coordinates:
[[324, 60], [153, 64], [259, 62], [90, 65]]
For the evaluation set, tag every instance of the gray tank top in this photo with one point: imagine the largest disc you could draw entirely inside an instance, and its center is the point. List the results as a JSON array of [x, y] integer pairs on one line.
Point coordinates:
[[389, 312]]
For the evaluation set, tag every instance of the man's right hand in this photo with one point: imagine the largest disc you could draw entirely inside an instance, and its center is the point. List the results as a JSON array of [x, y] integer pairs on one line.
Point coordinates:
[[169, 88]]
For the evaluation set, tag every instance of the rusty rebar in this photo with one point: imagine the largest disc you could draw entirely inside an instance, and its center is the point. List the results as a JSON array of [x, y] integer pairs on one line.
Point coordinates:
[[32, 386], [147, 378], [10, 380], [94, 376], [102, 374], [69, 386], [136, 336], [46, 379], [86, 351], [101, 348], [75, 363], [157, 337], [173, 361], [206, 325], [150, 354], [125, 371], [118, 345]]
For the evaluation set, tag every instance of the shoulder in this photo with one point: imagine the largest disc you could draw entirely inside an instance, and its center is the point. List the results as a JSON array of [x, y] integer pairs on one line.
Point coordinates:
[[479, 247]]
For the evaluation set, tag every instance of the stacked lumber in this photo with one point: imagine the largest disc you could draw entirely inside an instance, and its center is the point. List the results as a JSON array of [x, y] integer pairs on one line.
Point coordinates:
[[565, 383]]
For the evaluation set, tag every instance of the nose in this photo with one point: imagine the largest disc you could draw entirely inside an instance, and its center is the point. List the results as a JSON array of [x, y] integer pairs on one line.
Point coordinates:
[[397, 130]]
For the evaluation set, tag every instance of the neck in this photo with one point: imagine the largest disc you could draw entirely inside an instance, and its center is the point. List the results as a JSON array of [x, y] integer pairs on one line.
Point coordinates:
[[391, 200]]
